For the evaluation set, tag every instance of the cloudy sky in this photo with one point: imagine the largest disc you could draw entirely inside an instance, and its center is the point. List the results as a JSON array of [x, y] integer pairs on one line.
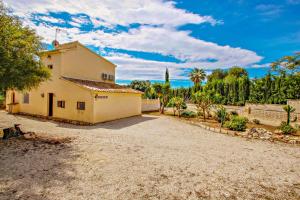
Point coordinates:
[[143, 37]]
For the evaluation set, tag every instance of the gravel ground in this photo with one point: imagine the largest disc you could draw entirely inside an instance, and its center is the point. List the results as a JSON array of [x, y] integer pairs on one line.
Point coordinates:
[[148, 157]]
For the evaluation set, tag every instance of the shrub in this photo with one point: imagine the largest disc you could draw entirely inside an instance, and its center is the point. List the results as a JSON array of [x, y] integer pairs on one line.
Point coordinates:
[[237, 123], [256, 121], [184, 106], [286, 128], [221, 114], [188, 114]]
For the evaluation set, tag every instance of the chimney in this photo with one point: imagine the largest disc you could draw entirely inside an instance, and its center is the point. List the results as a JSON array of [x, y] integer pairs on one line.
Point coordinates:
[[55, 43]]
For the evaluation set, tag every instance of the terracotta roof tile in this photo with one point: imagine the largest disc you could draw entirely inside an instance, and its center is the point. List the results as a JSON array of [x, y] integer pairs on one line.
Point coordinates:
[[102, 87]]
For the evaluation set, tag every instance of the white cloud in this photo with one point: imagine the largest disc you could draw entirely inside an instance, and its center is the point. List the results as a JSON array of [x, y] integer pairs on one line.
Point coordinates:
[[51, 19], [169, 42], [158, 33], [130, 68], [115, 12], [79, 21]]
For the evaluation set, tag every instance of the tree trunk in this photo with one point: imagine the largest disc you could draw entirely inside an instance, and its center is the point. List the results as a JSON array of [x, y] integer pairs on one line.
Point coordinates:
[[162, 110]]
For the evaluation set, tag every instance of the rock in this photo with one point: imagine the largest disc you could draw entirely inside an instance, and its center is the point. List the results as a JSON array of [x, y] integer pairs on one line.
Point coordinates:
[[260, 133]]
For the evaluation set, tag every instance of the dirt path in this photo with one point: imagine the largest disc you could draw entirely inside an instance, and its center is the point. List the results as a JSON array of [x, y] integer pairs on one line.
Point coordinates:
[[145, 157]]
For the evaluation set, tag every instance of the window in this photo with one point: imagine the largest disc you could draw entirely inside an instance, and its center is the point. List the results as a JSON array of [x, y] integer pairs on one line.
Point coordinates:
[[26, 98], [49, 56], [111, 77], [61, 104], [50, 66], [80, 105], [104, 76]]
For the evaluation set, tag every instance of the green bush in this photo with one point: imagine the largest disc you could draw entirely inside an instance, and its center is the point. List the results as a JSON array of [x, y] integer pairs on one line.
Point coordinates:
[[256, 121], [287, 128], [184, 106], [188, 114], [237, 123]]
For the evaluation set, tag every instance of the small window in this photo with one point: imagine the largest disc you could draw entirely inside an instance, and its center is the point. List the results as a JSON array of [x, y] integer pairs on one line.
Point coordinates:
[[104, 76], [49, 56], [80, 105], [50, 66], [111, 77], [61, 104], [26, 98]]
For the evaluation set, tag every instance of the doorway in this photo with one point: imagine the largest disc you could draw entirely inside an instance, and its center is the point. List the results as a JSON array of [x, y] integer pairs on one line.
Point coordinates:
[[50, 109]]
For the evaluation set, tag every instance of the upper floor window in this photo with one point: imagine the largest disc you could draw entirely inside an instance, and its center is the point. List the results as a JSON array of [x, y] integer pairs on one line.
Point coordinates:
[[26, 98], [50, 66], [61, 104], [80, 105], [49, 56]]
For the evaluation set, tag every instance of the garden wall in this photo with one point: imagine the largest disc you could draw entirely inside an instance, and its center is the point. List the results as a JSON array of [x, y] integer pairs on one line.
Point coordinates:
[[271, 114], [150, 105]]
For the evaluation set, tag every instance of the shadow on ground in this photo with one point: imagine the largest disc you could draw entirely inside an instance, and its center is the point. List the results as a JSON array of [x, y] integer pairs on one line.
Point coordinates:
[[115, 124], [32, 169]]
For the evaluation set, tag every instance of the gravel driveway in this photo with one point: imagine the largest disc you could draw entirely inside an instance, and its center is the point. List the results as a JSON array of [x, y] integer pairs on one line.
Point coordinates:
[[148, 157]]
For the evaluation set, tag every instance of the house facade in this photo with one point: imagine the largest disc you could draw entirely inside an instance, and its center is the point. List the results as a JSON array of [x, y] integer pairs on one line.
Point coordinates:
[[82, 88]]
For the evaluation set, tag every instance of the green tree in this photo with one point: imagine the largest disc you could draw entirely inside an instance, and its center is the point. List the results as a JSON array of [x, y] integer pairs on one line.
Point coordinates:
[[140, 85], [167, 76], [203, 102], [287, 63], [163, 92], [20, 65], [237, 72], [217, 74], [197, 76], [222, 115], [288, 109], [177, 104]]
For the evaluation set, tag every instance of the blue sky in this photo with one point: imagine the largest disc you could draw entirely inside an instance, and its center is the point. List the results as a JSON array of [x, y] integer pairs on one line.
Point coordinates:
[[143, 37]]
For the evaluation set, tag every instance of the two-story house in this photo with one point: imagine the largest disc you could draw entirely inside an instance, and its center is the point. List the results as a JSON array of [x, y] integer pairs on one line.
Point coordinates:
[[82, 88]]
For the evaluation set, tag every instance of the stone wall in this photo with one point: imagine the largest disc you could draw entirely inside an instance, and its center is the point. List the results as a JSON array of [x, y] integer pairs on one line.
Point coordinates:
[[271, 114], [150, 105]]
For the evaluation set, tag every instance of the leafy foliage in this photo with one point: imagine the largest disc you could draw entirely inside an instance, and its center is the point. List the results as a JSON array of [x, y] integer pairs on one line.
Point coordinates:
[[163, 93], [237, 123], [197, 76], [275, 89], [167, 76], [286, 128], [287, 63], [232, 87], [188, 114], [144, 86], [177, 104], [20, 65], [203, 102], [222, 115]]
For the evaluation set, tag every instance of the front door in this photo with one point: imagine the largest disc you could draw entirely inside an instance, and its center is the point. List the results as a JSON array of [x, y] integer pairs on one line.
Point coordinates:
[[50, 109]]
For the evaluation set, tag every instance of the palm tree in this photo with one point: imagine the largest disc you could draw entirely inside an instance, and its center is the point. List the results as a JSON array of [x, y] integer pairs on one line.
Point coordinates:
[[197, 76], [288, 109]]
